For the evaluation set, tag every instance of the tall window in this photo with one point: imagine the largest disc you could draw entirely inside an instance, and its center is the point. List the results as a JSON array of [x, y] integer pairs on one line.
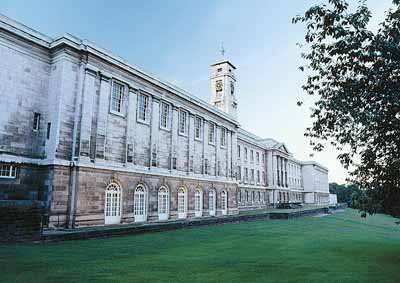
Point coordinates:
[[140, 203], [182, 203], [36, 121], [263, 158], [258, 176], [164, 115], [197, 127], [245, 153], [258, 157], [117, 97], [198, 203], [206, 166], [211, 132], [252, 175], [263, 178], [223, 137], [211, 202], [182, 121], [251, 155], [163, 203], [246, 174], [239, 173], [112, 204], [48, 130], [143, 104], [238, 151], [224, 202], [8, 171]]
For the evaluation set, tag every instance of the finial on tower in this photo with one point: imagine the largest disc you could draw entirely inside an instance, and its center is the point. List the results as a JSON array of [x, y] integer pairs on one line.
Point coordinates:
[[222, 50]]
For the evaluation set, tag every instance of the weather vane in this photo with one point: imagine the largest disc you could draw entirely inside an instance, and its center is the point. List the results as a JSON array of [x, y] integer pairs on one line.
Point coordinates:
[[222, 50]]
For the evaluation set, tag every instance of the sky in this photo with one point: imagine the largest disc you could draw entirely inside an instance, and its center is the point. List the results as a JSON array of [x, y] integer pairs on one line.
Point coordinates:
[[178, 40]]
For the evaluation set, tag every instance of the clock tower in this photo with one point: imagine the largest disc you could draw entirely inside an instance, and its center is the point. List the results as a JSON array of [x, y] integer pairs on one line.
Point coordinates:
[[223, 87]]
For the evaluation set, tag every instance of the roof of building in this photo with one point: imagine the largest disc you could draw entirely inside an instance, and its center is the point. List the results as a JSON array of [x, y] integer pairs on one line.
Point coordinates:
[[83, 44]]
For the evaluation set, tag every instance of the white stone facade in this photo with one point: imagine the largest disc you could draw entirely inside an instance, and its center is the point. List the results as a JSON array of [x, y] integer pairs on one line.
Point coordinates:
[[72, 107]]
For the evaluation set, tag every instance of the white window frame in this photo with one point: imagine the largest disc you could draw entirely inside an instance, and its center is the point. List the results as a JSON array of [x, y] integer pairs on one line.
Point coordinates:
[[9, 173], [224, 202], [246, 151], [163, 203], [113, 204], [211, 134], [165, 116], [212, 202], [183, 113], [198, 203], [257, 157], [251, 155], [182, 203], [143, 110], [238, 151], [223, 137], [198, 125], [120, 98], [140, 203]]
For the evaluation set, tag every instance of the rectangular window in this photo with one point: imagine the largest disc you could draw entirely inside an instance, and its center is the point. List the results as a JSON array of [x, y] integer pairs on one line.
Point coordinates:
[[219, 168], [239, 173], [48, 130], [263, 158], [258, 157], [251, 155], [206, 166], [8, 171], [258, 177], [182, 121], [252, 175], [164, 116], [223, 137], [197, 127], [245, 153], [211, 132], [263, 178], [154, 159], [117, 97], [246, 174], [238, 151], [143, 104], [36, 121], [174, 163]]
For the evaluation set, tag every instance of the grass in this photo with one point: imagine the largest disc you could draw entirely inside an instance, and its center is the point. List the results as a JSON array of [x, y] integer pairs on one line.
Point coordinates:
[[336, 248]]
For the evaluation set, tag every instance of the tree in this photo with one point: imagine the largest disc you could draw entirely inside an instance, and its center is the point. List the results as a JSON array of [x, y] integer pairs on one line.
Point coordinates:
[[354, 73], [344, 193]]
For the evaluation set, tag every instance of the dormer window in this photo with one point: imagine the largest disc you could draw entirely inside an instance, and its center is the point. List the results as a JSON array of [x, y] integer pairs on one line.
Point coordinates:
[[219, 70]]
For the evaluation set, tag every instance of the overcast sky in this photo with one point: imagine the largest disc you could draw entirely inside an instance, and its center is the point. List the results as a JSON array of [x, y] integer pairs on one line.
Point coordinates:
[[178, 40]]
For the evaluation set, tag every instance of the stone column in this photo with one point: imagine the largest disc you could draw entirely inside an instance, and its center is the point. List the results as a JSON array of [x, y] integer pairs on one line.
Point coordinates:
[[191, 137], [105, 90], [131, 126], [154, 131], [87, 110]]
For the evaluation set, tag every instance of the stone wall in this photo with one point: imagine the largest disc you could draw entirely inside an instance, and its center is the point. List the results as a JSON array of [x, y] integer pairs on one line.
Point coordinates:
[[91, 187]]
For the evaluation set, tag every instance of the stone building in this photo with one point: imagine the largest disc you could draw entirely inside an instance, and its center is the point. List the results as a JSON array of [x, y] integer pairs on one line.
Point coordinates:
[[99, 141]]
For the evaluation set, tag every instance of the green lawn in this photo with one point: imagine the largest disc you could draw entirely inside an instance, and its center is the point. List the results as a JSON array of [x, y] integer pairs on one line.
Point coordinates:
[[336, 248]]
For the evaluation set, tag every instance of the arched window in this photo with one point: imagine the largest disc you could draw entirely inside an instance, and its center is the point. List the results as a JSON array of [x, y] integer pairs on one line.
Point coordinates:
[[224, 202], [198, 203], [211, 202], [163, 203], [140, 204], [112, 207], [182, 203]]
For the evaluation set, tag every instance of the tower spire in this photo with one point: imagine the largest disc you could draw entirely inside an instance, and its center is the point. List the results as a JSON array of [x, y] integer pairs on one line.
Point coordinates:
[[222, 50]]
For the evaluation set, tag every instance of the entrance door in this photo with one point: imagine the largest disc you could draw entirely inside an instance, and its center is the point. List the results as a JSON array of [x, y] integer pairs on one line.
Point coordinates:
[[112, 213]]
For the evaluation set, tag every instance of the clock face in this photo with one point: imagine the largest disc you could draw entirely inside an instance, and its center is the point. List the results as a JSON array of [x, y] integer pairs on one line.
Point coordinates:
[[218, 86]]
